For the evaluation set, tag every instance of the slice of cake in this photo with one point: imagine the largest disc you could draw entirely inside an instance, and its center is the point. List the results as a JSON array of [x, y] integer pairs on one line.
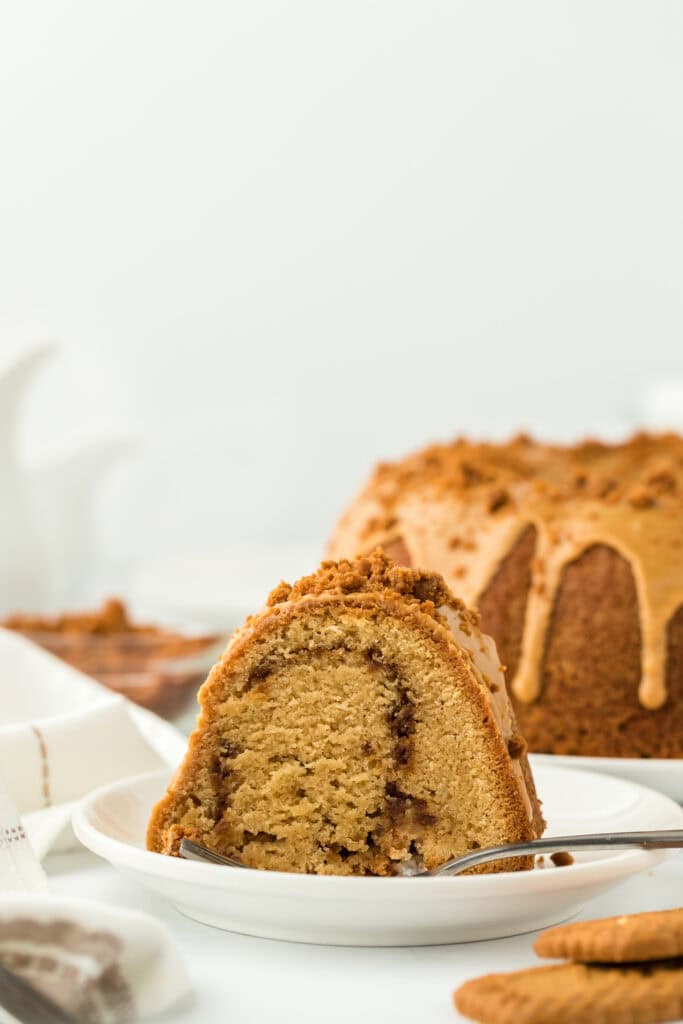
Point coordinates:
[[359, 724]]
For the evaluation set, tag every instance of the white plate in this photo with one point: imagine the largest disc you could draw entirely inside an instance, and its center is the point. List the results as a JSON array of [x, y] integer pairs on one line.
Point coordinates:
[[662, 774], [385, 911]]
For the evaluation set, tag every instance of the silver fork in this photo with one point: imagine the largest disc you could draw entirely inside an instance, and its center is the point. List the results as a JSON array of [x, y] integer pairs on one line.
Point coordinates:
[[663, 839], [195, 851]]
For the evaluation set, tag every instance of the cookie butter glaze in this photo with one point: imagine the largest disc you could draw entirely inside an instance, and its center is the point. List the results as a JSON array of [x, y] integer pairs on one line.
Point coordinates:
[[461, 508], [488, 671]]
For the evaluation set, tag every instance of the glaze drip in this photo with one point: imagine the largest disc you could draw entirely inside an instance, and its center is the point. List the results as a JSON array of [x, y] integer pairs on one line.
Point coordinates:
[[460, 509]]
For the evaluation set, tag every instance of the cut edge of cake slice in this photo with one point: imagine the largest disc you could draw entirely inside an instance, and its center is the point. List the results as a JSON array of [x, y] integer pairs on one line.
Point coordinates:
[[359, 724]]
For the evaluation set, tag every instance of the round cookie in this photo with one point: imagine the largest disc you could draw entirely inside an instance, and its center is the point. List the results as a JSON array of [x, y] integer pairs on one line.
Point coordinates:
[[575, 994], [657, 935]]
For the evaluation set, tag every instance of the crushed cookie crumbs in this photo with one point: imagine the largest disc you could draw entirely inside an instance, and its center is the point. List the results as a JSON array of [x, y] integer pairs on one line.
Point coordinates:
[[375, 573]]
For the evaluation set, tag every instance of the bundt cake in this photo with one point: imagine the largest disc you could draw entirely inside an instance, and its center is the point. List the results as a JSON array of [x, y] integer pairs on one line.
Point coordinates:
[[574, 558], [359, 725]]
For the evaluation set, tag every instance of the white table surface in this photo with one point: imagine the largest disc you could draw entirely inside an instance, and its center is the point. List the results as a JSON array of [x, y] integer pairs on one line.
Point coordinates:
[[243, 980]]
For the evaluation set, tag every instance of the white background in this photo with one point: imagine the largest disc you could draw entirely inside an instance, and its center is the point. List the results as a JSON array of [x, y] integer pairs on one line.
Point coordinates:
[[277, 241]]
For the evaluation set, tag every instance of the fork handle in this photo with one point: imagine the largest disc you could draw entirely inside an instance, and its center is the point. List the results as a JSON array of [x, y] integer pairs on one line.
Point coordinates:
[[190, 850], [664, 839]]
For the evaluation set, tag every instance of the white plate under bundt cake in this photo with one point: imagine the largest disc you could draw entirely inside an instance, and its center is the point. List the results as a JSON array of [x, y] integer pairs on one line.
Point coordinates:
[[358, 725], [574, 558]]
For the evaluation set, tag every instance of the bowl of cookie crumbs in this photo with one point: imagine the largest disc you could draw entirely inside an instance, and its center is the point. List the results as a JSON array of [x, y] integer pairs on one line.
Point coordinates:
[[159, 668]]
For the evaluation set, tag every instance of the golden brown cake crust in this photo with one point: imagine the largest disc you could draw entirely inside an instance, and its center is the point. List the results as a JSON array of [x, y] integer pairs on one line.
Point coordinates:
[[355, 673], [574, 557], [656, 935]]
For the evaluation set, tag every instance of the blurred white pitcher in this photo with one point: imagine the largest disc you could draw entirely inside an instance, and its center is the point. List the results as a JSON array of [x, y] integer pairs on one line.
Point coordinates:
[[44, 509]]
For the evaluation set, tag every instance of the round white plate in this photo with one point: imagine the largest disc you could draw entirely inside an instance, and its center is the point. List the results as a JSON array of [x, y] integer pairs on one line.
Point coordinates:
[[385, 911], [662, 774]]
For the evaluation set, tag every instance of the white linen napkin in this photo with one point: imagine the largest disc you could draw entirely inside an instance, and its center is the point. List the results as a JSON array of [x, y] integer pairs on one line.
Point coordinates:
[[19, 867], [103, 965], [62, 735]]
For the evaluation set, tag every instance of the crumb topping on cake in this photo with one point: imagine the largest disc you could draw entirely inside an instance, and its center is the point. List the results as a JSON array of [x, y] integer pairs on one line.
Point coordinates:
[[375, 574], [643, 472]]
